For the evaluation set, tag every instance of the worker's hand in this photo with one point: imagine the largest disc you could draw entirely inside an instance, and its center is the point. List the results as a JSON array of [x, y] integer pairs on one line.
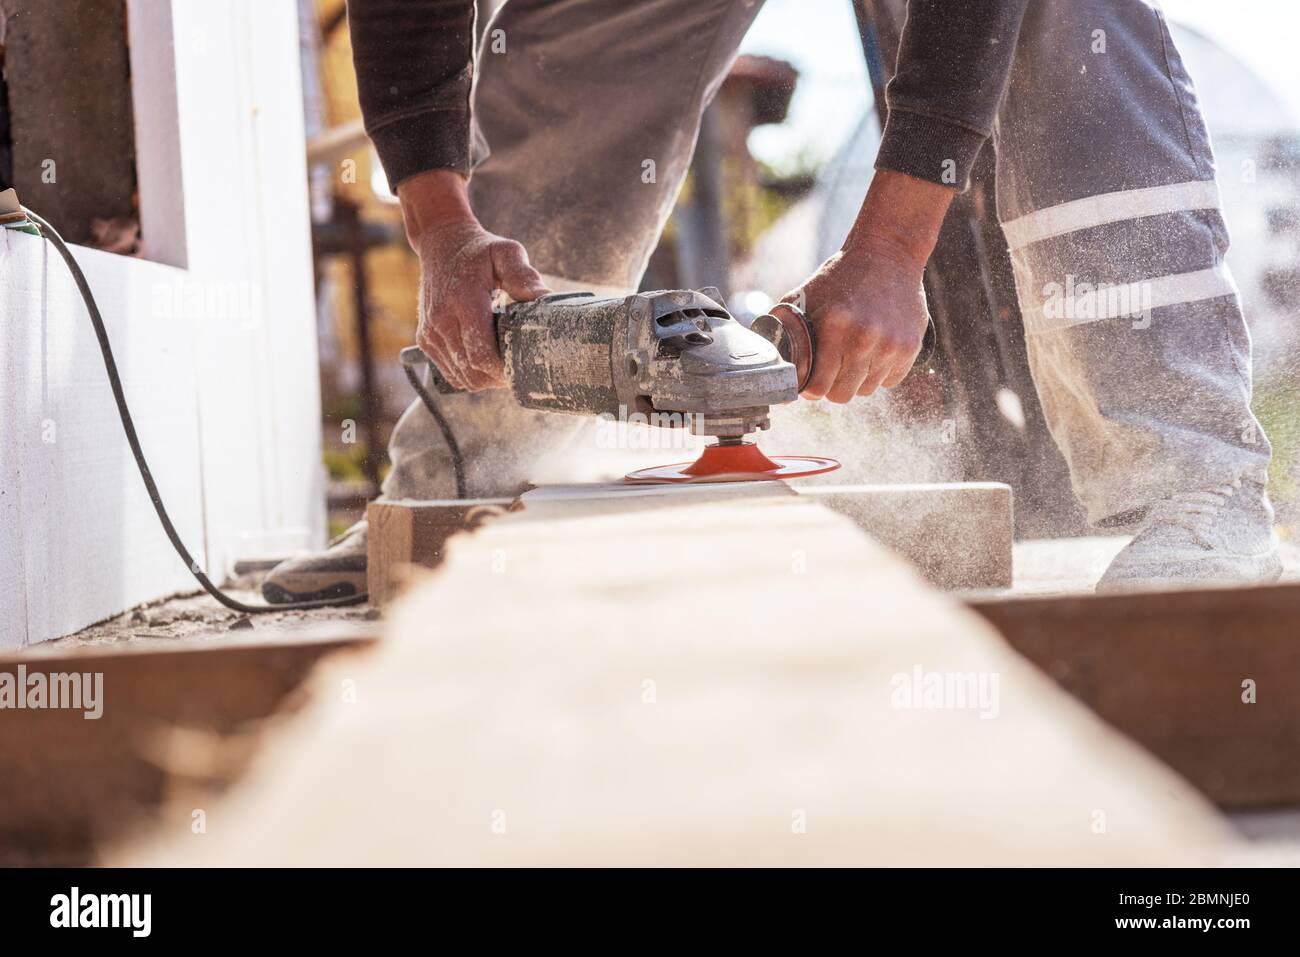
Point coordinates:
[[869, 318], [461, 265], [866, 303]]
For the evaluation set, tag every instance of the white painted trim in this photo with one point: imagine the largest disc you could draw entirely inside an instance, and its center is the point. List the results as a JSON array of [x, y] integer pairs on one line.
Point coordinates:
[[157, 133], [1107, 208]]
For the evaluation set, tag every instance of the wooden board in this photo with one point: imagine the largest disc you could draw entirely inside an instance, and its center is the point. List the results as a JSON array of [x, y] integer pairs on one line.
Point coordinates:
[[721, 683], [957, 535], [1171, 670]]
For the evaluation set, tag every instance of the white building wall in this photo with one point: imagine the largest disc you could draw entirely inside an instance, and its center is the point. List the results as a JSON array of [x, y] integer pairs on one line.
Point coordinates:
[[217, 353]]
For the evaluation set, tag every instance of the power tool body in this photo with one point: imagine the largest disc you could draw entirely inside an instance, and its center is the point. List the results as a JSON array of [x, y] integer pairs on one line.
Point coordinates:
[[675, 358]]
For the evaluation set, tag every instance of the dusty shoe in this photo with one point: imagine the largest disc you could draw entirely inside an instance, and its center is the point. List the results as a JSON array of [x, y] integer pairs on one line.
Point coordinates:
[[1220, 536], [337, 572]]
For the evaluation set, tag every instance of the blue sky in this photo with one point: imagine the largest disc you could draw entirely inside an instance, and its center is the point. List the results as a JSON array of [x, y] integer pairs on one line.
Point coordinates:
[[820, 38]]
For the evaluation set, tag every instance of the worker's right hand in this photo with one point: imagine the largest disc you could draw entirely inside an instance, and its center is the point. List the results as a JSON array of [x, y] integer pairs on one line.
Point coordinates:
[[461, 266]]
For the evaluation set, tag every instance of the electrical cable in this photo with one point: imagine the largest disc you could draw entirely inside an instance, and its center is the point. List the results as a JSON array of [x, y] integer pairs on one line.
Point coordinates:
[[128, 426], [457, 462]]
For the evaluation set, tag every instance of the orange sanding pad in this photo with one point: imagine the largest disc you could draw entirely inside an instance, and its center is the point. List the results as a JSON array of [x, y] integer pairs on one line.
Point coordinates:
[[735, 463]]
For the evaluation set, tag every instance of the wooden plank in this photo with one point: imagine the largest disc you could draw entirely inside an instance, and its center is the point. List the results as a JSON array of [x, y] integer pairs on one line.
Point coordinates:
[[958, 535], [403, 534], [1171, 669], [721, 683]]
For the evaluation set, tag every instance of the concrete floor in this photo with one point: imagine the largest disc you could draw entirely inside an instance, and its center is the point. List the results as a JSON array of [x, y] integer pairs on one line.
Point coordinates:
[[199, 618], [1059, 566]]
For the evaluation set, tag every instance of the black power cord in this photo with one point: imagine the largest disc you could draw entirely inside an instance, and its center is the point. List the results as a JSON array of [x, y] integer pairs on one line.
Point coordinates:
[[453, 447], [128, 426]]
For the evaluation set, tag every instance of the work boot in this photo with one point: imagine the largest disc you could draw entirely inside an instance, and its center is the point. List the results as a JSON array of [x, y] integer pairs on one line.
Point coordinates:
[[337, 572], [1219, 536]]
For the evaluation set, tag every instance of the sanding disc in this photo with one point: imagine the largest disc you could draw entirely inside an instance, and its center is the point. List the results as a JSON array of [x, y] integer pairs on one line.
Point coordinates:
[[742, 462]]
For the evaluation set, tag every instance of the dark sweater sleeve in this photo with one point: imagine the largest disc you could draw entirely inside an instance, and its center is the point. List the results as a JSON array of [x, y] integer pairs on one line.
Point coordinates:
[[954, 61], [415, 66]]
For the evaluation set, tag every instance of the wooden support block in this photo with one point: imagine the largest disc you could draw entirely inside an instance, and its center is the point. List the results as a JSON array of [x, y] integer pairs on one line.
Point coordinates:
[[415, 532], [405, 533], [1207, 680], [723, 683], [957, 535]]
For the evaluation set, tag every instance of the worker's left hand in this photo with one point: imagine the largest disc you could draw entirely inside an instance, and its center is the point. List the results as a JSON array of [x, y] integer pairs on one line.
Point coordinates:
[[867, 309], [461, 263], [865, 303]]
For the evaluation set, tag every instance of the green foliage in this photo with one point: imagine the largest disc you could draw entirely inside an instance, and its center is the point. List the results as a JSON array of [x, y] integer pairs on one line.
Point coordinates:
[[345, 463], [349, 406], [1277, 406], [338, 524]]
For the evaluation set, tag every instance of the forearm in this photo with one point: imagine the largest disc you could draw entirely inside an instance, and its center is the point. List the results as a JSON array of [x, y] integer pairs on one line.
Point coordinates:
[[954, 62], [414, 62], [899, 219], [433, 198]]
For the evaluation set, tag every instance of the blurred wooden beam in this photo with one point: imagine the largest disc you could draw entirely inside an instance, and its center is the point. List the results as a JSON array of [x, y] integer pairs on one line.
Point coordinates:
[[1208, 680], [68, 783]]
